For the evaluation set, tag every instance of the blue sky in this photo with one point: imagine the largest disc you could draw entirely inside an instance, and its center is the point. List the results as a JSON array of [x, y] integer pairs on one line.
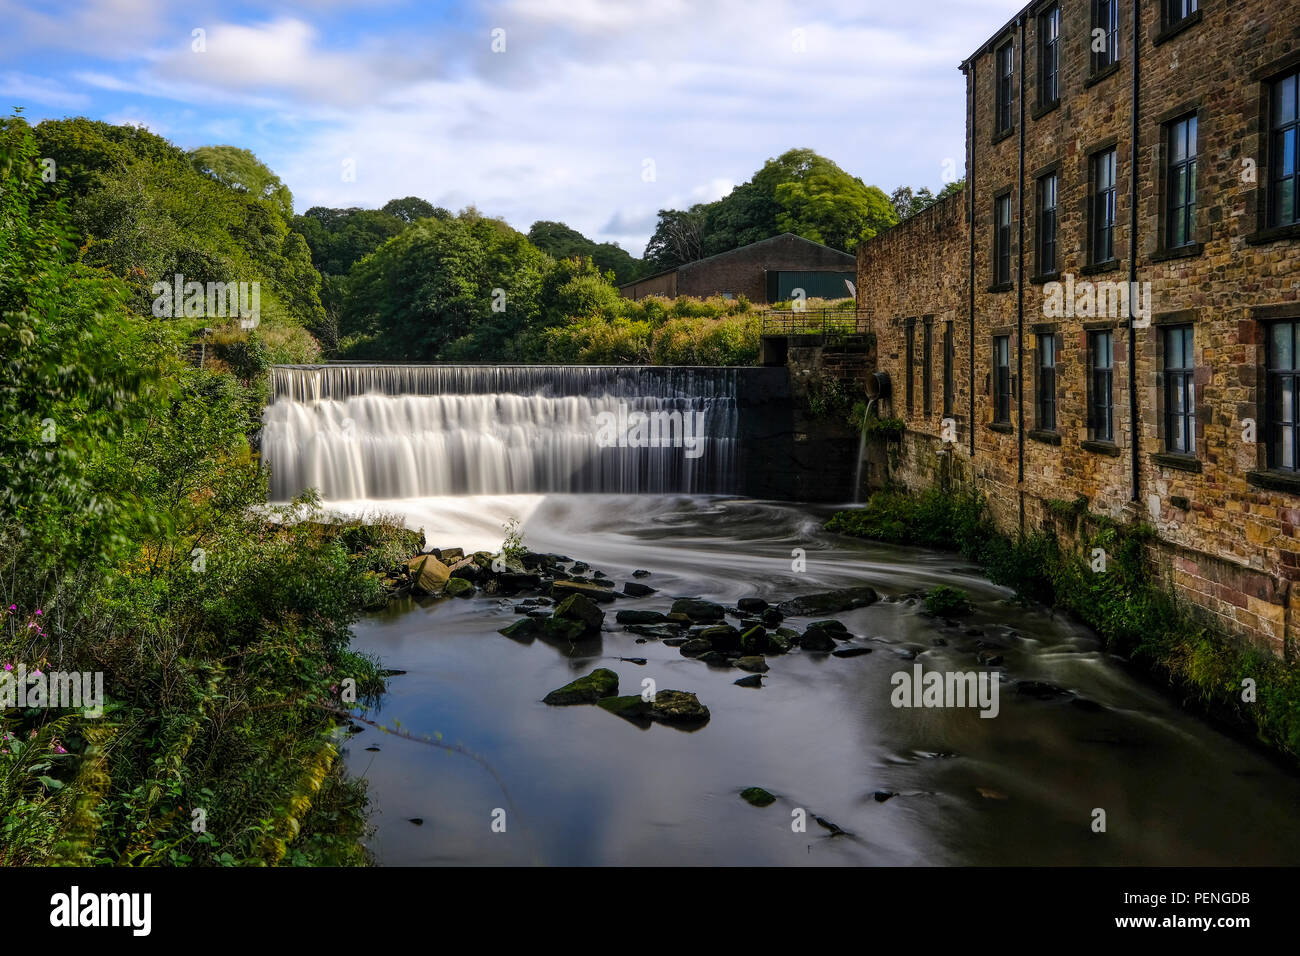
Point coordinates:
[[596, 112]]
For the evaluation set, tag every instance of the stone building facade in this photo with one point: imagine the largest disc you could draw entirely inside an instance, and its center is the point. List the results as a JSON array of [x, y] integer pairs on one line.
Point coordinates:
[[1111, 308]]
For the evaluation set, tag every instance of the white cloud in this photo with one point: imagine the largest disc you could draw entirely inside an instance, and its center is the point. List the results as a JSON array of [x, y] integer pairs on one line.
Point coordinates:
[[24, 88]]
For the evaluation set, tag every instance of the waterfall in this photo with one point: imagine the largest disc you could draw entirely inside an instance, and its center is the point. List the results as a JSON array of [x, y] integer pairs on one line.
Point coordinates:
[[412, 431]]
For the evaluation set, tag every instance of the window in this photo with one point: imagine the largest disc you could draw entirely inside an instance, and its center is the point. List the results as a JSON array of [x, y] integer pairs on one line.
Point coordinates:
[[1180, 392], [1103, 207], [1006, 70], [1284, 396], [1046, 250], [909, 329], [927, 347], [1104, 41], [1046, 398], [1049, 57], [1180, 183], [1284, 176], [1101, 377], [949, 354], [1002, 379], [1002, 240], [1177, 11]]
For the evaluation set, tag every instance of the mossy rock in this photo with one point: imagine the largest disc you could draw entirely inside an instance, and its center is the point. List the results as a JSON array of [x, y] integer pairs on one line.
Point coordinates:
[[699, 610], [458, 587], [753, 664], [600, 683], [757, 797], [559, 629], [829, 602], [580, 608], [944, 601], [428, 574], [595, 592], [754, 640], [640, 617], [524, 629], [723, 637], [631, 707], [678, 707], [695, 647]]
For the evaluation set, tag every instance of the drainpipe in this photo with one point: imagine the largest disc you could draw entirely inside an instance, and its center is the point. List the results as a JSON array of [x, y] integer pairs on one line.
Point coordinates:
[[1132, 260], [1020, 279], [970, 278]]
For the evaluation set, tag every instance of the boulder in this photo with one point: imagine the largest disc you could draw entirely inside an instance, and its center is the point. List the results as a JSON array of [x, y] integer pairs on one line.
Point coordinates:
[[752, 605], [640, 573], [771, 617], [602, 682], [752, 680], [753, 663], [449, 556], [580, 608], [562, 588], [754, 640], [467, 569], [850, 651], [513, 582], [677, 707], [829, 602], [721, 637], [524, 629], [695, 647], [781, 640], [699, 610], [563, 629], [817, 639], [632, 589], [428, 574], [458, 587], [757, 797]]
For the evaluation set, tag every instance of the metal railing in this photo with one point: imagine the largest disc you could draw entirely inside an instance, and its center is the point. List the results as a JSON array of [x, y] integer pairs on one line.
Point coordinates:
[[815, 322]]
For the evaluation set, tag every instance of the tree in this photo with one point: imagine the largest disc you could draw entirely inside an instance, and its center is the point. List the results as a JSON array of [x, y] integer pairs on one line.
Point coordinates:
[[240, 169], [677, 239], [561, 242], [412, 208]]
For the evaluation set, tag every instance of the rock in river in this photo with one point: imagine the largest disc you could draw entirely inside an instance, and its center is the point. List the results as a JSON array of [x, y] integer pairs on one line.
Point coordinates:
[[699, 610], [600, 683], [754, 664], [428, 574], [579, 607], [632, 589], [757, 796], [593, 591], [640, 617], [458, 587], [668, 706], [828, 602]]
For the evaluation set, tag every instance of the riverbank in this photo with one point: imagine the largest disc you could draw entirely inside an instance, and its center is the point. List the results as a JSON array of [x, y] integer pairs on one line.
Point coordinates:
[[1106, 582]]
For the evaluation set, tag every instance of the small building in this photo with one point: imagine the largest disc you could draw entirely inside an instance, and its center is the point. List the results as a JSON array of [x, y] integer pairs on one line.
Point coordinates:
[[765, 271]]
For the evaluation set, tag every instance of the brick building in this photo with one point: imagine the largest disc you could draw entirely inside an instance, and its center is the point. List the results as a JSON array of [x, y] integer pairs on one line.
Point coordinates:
[[1111, 308], [764, 271]]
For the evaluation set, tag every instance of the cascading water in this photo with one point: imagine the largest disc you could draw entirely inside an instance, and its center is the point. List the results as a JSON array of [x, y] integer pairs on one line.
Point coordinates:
[[403, 431]]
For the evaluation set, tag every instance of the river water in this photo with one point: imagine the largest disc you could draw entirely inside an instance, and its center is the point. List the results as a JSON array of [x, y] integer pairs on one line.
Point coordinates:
[[577, 785]]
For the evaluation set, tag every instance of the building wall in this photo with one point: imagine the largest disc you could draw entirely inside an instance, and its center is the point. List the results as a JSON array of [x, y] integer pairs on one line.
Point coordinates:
[[744, 271], [664, 284], [1228, 544]]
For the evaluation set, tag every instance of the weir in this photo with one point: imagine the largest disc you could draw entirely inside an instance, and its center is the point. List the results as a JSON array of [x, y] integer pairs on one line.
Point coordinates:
[[410, 431]]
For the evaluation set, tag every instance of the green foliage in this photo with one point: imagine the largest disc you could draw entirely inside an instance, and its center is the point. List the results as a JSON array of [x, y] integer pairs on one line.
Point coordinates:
[[835, 399], [146, 211], [878, 429], [947, 602], [133, 517], [1125, 605], [561, 242]]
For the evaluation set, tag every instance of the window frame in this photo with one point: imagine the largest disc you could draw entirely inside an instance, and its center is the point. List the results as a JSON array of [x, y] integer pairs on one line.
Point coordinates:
[[1043, 237], [1002, 241], [1101, 388], [1281, 432], [949, 363], [1003, 85], [1185, 209], [1171, 18], [909, 334], [1179, 380], [1109, 56], [1045, 384], [927, 366], [1102, 201], [1049, 57], [1279, 130], [1001, 380]]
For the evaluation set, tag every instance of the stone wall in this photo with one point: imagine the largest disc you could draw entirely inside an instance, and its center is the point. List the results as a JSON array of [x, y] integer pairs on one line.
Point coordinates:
[[1226, 524]]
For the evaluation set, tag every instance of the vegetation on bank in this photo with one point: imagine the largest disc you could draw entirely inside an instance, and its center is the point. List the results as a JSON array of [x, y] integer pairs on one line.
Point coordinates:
[[1125, 605], [135, 542]]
